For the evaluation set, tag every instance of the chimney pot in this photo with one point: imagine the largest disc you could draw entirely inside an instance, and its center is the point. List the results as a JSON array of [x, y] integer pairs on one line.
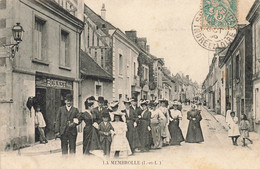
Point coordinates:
[[103, 12]]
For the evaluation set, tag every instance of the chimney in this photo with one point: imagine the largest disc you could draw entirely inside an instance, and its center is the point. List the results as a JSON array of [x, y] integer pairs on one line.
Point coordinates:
[[148, 48], [188, 77], [142, 43], [103, 12], [132, 35]]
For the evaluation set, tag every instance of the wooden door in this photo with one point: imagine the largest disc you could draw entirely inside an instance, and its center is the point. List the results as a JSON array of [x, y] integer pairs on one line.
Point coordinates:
[[52, 106]]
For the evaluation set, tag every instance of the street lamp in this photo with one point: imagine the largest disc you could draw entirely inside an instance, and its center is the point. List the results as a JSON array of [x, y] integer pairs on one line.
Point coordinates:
[[17, 32]]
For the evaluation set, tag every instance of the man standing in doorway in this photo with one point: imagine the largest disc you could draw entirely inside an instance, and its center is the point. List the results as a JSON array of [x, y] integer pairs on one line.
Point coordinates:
[[65, 127]]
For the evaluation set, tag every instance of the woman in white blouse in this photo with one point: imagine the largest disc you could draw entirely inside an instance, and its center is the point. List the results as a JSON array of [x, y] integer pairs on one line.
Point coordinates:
[[175, 131]]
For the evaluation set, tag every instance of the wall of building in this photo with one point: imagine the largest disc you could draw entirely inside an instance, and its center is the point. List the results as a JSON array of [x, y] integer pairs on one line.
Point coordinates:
[[122, 79], [256, 71], [19, 121], [89, 90]]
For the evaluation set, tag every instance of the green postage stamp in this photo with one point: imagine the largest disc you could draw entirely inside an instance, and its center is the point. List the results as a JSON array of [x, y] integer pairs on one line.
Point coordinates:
[[219, 14]]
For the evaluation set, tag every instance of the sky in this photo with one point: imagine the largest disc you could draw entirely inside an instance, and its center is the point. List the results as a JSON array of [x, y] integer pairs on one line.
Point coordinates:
[[167, 26]]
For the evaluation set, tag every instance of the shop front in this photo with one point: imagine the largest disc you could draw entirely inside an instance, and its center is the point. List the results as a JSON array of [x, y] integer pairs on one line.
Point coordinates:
[[50, 94]]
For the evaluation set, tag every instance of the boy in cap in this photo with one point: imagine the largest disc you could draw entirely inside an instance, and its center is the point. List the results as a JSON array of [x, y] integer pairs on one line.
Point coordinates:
[[65, 127], [105, 130]]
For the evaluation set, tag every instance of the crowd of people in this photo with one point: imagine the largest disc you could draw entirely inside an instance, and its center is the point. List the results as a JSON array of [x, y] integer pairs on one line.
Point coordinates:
[[121, 132]]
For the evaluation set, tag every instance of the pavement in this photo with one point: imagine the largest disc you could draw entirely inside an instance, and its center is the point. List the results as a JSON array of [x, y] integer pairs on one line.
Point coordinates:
[[255, 137], [53, 146]]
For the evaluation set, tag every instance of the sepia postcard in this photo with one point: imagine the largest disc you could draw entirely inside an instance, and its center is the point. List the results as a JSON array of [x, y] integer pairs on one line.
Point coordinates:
[[129, 84]]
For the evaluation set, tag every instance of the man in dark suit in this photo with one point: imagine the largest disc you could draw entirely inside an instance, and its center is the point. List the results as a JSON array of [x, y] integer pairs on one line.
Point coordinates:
[[98, 111], [131, 117], [65, 127]]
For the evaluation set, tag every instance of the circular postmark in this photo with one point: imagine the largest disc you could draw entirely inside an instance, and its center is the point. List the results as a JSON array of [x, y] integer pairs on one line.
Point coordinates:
[[211, 38]]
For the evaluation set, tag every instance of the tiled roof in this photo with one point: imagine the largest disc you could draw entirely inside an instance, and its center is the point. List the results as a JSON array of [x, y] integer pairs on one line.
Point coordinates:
[[89, 68]]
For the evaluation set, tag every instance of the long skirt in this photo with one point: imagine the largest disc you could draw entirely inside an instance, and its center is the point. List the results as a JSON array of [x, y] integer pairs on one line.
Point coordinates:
[[120, 143], [175, 132], [156, 135], [144, 135], [132, 136], [194, 133], [165, 134], [90, 139]]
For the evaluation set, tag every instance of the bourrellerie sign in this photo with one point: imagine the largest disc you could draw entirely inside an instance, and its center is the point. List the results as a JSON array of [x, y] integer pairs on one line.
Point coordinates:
[[56, 83]]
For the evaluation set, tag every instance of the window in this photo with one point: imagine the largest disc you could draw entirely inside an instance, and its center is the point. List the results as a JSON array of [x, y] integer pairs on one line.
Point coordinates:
[[39, 38], [120, 97], [120, 64], [2, 4], [98, 90], [88, 37], [97, 41], [175, 88], [102, 58], [145, 72], [103, 25], [2, 23], [93, 38], [134, 69], [237, 67], [64, 49], [95, 55]]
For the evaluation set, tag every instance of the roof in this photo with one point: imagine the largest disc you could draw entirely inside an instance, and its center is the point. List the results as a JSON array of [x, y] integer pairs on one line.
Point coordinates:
[[60, 11], [232, 46], [254, 11], [89, 68], [98, 21]]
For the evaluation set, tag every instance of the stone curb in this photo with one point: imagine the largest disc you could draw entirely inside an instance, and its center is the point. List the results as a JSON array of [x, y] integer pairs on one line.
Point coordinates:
[[45, 152], [215, 118]]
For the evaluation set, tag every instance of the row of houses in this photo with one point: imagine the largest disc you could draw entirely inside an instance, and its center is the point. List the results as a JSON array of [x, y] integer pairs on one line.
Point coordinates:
[[233, 79], [68, 48]]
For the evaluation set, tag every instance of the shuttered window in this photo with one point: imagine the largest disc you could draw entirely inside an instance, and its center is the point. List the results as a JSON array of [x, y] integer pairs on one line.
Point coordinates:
[[39, 38], [64, 49]]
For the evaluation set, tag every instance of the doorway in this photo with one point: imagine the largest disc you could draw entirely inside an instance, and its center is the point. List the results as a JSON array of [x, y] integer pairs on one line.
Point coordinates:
[[41, 101]]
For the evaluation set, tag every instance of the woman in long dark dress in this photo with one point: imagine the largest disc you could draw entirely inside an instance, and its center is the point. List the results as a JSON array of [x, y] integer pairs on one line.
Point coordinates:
[[90, 132], [175, 131], [194, 134], [144, 127]]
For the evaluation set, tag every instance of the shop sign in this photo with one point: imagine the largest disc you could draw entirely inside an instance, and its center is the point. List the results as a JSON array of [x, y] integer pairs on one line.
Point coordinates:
[[56, 83], [59, 83]]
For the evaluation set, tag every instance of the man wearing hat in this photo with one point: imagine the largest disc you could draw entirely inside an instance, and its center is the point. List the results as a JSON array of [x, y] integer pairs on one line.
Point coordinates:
[[100, 109], [131, 117], [65, 127]]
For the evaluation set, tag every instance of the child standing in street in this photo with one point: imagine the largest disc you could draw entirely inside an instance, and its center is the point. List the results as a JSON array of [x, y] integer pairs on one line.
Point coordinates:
[[105, 130], [120, 146], [232, 122], [40, 124], [244, 127]]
